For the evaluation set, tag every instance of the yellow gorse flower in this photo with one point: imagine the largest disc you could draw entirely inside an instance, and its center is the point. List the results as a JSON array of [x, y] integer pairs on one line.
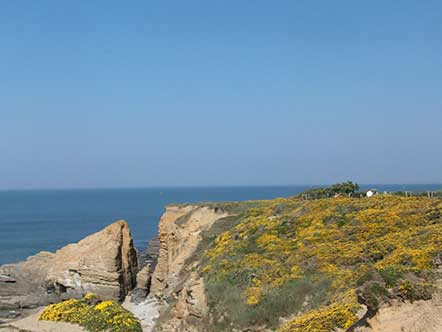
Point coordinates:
[[339, 240], [105, 316]]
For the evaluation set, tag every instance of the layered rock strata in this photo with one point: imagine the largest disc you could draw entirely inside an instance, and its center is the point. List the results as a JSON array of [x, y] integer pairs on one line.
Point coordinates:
[[179, 235], [104, 263]]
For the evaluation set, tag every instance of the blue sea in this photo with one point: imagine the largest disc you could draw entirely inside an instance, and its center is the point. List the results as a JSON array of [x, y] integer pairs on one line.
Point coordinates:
[[36, 220]]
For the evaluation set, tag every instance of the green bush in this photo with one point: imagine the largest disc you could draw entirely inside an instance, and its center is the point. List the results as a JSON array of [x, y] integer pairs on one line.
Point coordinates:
[[391, 275], [296, 295]]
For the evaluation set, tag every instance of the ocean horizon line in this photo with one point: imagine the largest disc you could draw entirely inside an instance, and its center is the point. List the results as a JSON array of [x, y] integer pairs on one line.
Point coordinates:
[[362, 185]]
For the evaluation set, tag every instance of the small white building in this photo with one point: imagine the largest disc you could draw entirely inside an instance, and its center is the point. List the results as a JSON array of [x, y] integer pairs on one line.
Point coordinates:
[[371, 193]]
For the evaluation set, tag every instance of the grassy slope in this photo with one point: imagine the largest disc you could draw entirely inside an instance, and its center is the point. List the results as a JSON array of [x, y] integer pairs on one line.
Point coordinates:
[[315, 261]]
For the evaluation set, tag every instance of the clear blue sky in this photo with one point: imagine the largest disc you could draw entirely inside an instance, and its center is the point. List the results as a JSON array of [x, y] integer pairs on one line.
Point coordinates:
[[151, 93]]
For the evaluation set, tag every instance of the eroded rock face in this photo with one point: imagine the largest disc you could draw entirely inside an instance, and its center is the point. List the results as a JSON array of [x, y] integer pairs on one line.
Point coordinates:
[[104, 263], [179, 235], [148, 261]]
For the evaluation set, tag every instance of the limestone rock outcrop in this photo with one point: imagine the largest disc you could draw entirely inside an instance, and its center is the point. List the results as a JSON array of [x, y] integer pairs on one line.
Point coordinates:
[[147, 262], [179, 235], [104, 263]]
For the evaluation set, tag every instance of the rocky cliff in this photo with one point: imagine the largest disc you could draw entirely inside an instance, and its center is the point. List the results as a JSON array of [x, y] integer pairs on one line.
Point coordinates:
[[176, 285], [104, 263], [293, 265], [179, 234], [283, 265]]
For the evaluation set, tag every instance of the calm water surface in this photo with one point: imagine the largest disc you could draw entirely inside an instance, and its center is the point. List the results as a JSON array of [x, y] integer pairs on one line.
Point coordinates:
[[36, 220]]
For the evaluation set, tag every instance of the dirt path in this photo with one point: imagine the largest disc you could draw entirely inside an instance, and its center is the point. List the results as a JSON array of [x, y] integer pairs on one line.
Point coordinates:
[[32, 324]]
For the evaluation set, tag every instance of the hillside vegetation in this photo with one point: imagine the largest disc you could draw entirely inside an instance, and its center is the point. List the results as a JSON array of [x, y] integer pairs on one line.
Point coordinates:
[[299, 265]]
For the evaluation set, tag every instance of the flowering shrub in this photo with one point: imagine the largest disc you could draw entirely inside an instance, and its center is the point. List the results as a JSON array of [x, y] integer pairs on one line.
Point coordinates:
[[330, 251], [93, 314], [322, 320]]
